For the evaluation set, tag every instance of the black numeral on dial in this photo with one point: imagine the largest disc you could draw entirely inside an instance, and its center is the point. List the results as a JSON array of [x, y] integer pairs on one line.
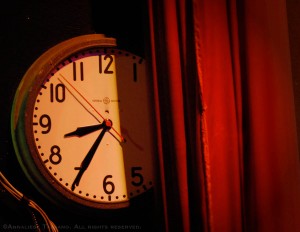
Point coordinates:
[[106, 68], [45, 122], [108, 186], [57, 93], [75, 71], [55, 156], [137, 176]]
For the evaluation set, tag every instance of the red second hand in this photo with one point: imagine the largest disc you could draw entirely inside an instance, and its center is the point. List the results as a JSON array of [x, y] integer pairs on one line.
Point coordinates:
[[122, 138]]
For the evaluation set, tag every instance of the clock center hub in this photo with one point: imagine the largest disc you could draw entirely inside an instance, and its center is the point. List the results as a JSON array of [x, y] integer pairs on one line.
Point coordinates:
[[108, 124]]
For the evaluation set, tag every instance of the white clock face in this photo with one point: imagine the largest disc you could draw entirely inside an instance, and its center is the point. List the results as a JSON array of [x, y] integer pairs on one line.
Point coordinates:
[[92, 126]]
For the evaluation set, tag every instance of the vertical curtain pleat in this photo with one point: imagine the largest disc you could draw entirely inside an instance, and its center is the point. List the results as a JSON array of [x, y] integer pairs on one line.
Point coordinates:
[[174, 74], [167, 49], [161, 192], [272, 167], [219, 96]]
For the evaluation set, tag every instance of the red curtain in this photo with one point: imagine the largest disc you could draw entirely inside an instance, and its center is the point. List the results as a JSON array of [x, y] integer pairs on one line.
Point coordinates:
[[228, 151]]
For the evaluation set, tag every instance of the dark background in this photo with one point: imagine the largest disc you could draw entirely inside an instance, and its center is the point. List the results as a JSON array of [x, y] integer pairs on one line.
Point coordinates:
[[29, 28]]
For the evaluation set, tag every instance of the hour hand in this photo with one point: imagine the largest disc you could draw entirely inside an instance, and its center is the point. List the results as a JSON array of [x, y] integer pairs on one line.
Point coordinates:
[[81, 131]]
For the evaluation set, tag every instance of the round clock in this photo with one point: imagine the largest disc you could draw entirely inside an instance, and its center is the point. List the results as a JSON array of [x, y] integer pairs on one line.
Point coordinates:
[[83, 124]]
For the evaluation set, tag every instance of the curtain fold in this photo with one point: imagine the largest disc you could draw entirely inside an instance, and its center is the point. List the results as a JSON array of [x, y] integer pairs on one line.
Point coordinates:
[[272, 167], [170, 103], [220, 93], [228, 144]]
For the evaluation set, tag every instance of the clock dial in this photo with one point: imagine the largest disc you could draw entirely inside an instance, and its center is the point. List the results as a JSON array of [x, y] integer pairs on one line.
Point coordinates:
[[89, 128], [91, 166]]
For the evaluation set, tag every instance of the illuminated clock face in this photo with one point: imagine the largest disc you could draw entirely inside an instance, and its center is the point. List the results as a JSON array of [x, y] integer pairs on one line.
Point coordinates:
[[92, 127], [70, 114]]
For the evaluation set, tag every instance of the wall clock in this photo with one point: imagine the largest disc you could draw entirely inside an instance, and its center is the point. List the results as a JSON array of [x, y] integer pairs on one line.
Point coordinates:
[[83, 126]]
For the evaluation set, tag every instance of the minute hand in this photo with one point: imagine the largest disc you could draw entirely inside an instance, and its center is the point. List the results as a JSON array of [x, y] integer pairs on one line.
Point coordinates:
[[88, 158]]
